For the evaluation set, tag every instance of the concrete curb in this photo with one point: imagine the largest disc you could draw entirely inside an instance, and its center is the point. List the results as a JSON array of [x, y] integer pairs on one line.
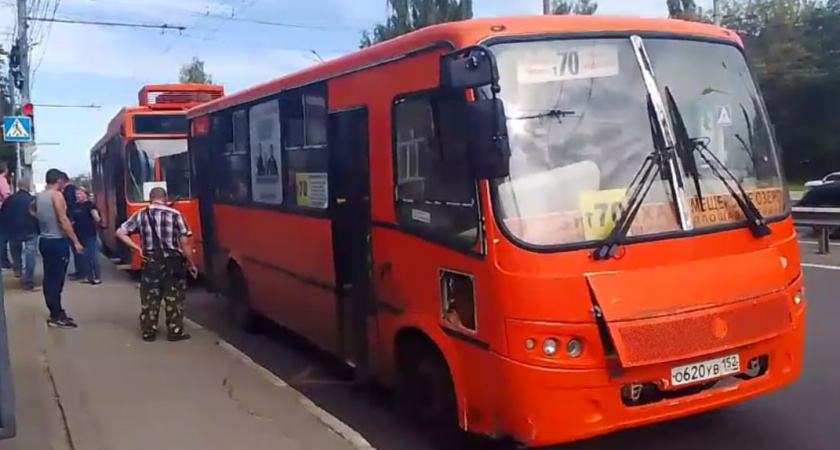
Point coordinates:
[[333, 423]]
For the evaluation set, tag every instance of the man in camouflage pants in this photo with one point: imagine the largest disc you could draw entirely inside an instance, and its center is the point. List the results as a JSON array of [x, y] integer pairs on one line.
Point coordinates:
[[167, 258]]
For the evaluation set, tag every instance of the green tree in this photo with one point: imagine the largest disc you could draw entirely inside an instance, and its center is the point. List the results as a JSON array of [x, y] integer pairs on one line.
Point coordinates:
[[579, 7], [685, 10], [193, 72], [405, 16]]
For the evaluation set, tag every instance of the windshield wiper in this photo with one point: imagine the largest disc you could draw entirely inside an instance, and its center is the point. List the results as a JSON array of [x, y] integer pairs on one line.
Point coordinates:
[[755, 221], [641, 184], [684, 144]]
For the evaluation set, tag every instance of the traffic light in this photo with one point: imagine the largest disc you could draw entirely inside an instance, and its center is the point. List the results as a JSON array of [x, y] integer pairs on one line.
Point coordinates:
[[28, 110]]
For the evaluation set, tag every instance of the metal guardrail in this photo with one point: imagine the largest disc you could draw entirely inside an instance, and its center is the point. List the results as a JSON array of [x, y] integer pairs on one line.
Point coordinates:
[[824, 220]]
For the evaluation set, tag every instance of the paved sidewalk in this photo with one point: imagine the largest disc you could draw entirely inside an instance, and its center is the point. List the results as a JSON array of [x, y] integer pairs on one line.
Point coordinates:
[[100, 387]]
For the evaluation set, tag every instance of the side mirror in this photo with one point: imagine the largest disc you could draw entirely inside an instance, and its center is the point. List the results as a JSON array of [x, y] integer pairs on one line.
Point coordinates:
[[487, 138], [481, 133], [469, 68], [474, 133]]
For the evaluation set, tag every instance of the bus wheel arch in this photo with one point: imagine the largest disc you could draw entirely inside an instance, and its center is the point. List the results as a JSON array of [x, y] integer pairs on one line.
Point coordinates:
[[238, 300], [424, 388]]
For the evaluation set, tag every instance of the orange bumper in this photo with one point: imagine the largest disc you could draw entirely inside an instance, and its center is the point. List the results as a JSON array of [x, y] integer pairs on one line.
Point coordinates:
[[550, 406]]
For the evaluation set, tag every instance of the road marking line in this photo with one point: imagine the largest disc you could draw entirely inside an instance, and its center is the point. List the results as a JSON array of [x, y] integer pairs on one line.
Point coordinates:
[[337, 426], [820, 266], [817, 243]]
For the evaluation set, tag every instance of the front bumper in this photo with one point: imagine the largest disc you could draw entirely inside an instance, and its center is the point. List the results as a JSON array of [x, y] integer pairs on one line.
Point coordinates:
[[543, 406]]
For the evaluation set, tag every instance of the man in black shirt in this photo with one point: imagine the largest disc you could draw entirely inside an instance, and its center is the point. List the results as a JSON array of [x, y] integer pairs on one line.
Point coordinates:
[[22, 230], [86, 221]]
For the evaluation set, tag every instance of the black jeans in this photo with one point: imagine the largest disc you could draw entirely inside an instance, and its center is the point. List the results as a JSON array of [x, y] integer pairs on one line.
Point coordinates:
[[55, 253]]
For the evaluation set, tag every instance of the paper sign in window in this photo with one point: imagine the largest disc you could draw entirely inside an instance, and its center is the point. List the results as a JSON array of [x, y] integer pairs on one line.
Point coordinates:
[[573, 64]]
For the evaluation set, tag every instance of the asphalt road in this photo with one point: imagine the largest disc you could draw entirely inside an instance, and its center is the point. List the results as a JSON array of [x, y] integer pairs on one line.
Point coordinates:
[[805, 416]]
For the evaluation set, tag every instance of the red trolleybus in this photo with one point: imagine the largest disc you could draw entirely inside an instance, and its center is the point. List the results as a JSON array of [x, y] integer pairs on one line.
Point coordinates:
[[146, 146], [541, 228]]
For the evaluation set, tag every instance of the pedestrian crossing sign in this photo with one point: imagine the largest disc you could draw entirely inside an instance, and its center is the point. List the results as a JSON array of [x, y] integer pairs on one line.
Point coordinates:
[[17, 129]]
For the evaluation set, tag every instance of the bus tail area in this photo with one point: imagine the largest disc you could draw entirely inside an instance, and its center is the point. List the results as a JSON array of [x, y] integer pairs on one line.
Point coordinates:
[[542, 229], [145, 147]]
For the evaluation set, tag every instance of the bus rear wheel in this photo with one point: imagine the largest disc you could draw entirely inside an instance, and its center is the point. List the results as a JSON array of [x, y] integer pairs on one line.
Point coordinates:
[[424, 394], [239, 303]]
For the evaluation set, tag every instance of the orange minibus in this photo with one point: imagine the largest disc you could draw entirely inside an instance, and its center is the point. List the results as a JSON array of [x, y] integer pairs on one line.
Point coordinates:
[[146, 146], [541, 229]]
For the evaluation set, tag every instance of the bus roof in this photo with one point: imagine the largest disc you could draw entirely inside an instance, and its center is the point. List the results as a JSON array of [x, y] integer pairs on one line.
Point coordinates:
[[178, 96], [161, 99], [116, 125], [461, 34]]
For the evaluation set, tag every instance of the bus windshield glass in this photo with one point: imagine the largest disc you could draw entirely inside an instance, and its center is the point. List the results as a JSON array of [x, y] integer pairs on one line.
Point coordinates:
[[157, 124], [580, 128], [171, 155], [141, 170]]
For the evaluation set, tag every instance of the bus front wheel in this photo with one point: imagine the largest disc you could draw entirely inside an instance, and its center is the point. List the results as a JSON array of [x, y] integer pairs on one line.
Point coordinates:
[[239, 302], [424, 393]]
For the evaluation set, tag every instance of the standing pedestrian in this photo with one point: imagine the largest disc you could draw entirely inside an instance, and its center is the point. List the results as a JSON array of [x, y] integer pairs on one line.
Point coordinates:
[[86, 220], [22, 233], [54, 244], [69, 193], [167, 258], [5, 193]]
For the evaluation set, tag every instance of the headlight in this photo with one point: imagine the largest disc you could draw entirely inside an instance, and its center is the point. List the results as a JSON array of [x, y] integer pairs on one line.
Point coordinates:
[[550, 347], [574, 347]]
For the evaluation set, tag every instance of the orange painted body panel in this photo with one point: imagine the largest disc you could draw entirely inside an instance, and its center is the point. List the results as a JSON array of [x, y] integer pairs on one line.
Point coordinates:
[[189, 209], [265, 245], [136, 262], [653, 292]]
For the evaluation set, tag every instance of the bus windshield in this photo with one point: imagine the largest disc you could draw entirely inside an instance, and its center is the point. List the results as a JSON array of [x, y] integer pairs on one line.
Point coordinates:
[[171, 155], [580, 128]]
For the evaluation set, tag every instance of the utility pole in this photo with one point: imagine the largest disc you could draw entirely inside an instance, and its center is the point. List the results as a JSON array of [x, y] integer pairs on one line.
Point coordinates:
[[546, 7], [25, 151], [12, 111], [716, 12]]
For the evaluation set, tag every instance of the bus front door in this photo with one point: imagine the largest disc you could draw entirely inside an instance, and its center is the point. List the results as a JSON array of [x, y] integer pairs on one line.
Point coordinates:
[[349, 190]]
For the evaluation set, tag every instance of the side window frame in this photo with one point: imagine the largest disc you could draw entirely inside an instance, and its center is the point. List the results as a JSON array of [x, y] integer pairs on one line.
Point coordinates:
[[473, 247], [221, 159], [305, 157]]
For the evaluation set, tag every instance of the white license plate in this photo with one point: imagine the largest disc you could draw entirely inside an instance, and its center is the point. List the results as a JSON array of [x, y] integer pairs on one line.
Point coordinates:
[[705, 370]]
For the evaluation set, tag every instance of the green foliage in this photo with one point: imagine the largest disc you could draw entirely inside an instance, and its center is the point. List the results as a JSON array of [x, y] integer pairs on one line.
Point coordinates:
[[405, 16], [792, 45], [687, 10], [579, 7], [193, 72]]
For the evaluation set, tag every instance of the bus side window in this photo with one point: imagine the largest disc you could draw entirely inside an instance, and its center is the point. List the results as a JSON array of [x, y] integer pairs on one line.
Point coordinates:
[[433, 196], [230, 159]]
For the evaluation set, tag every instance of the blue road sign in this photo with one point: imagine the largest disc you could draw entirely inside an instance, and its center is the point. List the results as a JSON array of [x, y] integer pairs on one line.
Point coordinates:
[[17, 129]]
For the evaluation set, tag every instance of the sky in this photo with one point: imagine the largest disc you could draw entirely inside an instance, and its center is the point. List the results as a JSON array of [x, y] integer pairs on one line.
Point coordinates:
[[106, 66]]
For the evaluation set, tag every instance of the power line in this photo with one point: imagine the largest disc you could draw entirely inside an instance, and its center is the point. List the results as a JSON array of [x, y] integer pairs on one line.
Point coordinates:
[[233, 18], [57, 105], [108, 24]]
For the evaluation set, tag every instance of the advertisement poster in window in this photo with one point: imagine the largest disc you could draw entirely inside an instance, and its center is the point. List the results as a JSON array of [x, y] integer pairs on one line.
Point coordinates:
[[266, 183]]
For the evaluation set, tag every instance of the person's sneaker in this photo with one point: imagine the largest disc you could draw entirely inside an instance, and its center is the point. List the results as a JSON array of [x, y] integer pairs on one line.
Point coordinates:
[[66, 322], [96, 282], [149, 337], [178, 337]]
